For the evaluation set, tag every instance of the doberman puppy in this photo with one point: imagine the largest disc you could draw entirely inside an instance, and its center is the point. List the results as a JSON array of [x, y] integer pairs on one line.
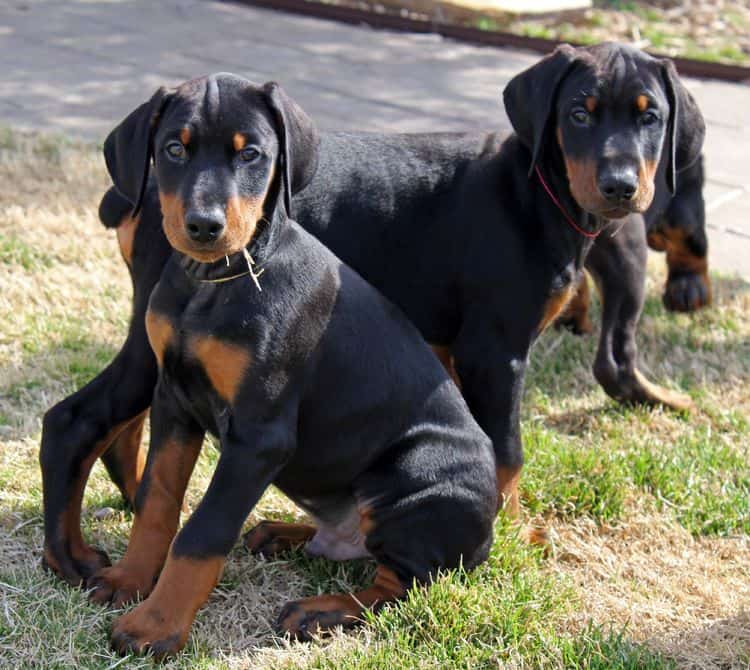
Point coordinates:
[[479, 240], [310, 379]]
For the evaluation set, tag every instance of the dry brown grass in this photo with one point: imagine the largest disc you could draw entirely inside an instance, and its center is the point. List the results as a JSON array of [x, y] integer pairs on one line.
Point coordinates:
[[684, 596]]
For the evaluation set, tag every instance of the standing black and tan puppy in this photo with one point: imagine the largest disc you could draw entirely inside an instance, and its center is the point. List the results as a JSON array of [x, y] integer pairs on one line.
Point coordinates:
[[460, 232], [310, 379]]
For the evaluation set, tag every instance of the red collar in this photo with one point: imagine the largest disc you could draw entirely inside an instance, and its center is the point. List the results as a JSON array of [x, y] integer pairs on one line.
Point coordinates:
[[568, 218]]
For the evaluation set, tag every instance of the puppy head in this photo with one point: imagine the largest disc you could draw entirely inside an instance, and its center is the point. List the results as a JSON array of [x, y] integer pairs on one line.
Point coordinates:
[[226, 153], [617, 117]]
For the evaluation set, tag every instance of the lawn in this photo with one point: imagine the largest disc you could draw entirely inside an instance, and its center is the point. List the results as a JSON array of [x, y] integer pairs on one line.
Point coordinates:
[[649, 511]]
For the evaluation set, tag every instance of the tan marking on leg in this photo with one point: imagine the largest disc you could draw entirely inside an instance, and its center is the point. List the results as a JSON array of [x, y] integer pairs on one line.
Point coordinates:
[[69, 523], [162, 622], [154, 525], [446, 358], [313, 616], [681, 260], [160, 334], [576, 313], [185, 136], [507, 489], [654, 394], [510, 503], [555, 305], [224, 363], [127, 449], [238, 141], [126, 236]]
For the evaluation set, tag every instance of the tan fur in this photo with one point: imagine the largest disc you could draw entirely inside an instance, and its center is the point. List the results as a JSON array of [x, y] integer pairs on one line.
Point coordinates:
[[224, 363], [641, 103], [577, 309], [645, 193], [185, 136], [679, 256], [183, 586], [242, 215], [156, 522], [160, 334], [126, 236], [348, 607], [238, 141], [507, 488], [555, 305]]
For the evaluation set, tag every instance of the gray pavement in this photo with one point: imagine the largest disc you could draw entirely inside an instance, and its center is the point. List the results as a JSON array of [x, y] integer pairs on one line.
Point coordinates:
[[79, 66]]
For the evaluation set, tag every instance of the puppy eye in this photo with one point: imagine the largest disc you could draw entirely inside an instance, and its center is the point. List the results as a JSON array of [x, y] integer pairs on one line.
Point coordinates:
[[580, 116], [175, 150], [249, 154], [648, 118]]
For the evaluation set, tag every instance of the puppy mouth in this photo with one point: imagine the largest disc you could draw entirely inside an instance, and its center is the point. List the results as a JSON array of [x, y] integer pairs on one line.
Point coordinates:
[[616, 212]]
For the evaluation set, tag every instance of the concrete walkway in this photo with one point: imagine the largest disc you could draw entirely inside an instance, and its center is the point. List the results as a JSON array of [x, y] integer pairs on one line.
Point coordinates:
[[80, 66]]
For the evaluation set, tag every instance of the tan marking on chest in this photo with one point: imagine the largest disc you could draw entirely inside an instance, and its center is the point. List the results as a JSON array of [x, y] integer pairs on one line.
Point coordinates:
[[126, 237], [160, 334], [555, 304], [225, 364]]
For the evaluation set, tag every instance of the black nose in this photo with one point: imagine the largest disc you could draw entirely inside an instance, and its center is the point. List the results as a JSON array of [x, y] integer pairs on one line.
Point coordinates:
[[204, 226], [618, 186]]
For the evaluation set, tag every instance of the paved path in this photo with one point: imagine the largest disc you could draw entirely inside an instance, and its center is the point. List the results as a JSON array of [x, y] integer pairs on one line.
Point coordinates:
[[79, 66]]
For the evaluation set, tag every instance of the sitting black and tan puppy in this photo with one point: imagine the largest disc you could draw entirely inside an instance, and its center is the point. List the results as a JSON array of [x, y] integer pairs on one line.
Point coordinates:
[[308, 376]]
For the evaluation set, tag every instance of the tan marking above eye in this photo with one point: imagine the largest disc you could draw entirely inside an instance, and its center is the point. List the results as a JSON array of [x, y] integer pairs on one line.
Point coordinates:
[[225, 364], [185, 136], [641, 102], [238, 141], [590, 103], [160, 333]]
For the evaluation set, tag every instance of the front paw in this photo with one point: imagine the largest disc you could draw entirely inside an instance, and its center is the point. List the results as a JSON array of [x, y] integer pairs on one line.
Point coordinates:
[[687, 292], [305, 619], [74, 567], [147, 628], [118, 585]]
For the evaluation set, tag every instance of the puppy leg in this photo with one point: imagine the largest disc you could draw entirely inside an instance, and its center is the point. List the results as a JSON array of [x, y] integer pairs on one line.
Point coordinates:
[[618, 265]]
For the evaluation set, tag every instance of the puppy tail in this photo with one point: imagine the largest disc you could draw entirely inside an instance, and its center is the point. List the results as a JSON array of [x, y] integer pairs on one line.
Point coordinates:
[[113, 208]]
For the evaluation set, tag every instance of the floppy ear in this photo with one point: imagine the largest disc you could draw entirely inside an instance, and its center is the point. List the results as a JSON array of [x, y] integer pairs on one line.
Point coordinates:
[[298, 141], [129, 147], [686, 128], [530, 97]]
